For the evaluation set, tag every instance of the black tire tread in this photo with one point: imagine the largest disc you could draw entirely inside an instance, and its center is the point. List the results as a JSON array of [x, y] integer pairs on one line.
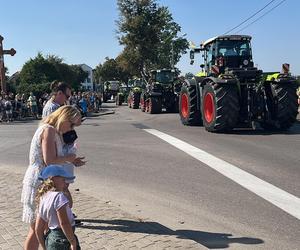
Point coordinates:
[[227, 108], [194, 117]]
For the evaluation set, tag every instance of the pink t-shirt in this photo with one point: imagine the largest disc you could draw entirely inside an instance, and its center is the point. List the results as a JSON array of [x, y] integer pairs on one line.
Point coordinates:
[[49, 204]]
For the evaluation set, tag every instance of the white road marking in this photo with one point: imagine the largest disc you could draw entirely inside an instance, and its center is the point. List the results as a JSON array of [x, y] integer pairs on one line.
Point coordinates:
[[280, 198]]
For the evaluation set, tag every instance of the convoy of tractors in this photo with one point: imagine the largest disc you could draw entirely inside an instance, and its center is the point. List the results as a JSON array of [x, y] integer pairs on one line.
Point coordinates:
[[228, 93]]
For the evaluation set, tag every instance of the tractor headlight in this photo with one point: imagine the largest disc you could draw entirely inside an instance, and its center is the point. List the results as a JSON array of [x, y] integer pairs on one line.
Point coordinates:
[[245, 62]]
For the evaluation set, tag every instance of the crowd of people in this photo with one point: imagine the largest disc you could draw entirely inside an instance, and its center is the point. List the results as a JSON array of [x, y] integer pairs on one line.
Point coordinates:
[[18, 106]]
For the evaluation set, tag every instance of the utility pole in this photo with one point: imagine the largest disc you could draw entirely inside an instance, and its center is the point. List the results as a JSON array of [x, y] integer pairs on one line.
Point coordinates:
[[11, 52]]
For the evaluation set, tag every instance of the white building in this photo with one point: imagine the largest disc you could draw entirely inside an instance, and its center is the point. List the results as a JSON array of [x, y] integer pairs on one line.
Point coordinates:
[[88, 82]]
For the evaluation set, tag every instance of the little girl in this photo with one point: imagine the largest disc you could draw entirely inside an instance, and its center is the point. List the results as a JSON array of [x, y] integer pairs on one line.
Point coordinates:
[[54, 211]]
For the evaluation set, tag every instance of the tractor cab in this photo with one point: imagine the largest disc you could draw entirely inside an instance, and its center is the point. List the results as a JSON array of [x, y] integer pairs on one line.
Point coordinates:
[[163, 76], [225, 54], [139, 83]]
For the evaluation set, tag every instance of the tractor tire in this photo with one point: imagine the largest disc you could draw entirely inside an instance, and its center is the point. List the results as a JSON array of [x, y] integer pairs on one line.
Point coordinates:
[[142, 103], [154, 105], [220, 107], [119, 100], [104, 98], [188, 111], [135, 100], [287, 105]]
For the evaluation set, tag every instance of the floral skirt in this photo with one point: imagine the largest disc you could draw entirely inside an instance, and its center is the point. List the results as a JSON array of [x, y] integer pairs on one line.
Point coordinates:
[[30, 186]]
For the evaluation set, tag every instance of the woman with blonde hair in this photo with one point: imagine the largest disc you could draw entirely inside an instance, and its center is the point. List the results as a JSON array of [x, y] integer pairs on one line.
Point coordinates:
[[47, 148]]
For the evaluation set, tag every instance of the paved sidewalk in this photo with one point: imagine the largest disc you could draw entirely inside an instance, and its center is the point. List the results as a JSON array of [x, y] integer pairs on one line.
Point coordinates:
[[104, 225]]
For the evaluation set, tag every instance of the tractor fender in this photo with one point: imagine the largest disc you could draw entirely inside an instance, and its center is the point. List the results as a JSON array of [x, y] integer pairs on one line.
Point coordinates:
[[279, 78], [189, 82], [219, 80], [154, 94]]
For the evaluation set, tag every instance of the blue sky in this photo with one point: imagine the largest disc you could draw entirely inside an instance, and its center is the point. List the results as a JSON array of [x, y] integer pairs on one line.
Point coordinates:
[[84, 31]]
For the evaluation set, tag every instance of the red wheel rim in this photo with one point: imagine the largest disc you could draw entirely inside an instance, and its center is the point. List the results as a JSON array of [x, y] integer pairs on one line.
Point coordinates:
[[147, 106], [209, 107], [184, 106]]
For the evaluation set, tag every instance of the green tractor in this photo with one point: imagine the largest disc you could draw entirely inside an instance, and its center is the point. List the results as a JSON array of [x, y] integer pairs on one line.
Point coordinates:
[[133, 100], [231, 93], [162, 91], [110, 90], [122, 95]]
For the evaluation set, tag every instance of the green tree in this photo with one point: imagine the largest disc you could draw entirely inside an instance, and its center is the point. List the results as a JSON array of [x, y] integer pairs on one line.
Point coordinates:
[[38, 70], [97, 74], [148, 32], [37, 74], [110, 70]]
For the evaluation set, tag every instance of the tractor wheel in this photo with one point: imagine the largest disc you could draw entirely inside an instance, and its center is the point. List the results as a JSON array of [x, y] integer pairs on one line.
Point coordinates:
[[104, 98], [119, 100], [188, 111], [135, 100], [220, 107], [154, 105], [142, 103], [287, 105]]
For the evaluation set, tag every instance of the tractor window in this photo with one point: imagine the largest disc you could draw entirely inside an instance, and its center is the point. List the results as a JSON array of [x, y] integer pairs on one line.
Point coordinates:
[[165, 77], [209, 54], [234, 48]]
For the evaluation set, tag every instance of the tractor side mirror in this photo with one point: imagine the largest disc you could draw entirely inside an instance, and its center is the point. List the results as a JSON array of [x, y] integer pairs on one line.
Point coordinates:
[[192, 55]]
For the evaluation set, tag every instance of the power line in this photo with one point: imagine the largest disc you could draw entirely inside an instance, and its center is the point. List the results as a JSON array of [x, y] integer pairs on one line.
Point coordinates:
[[249, 17], [261, 16]]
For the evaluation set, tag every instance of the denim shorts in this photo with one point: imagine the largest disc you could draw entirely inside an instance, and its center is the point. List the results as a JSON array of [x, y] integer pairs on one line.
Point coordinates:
[[55, 239]]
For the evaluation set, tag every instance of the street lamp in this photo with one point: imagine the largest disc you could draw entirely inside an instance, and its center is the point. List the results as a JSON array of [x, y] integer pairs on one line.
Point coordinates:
[[172, 49]]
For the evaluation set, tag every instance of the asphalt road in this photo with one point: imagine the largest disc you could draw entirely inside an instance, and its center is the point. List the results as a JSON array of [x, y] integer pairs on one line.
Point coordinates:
[[152, 179]]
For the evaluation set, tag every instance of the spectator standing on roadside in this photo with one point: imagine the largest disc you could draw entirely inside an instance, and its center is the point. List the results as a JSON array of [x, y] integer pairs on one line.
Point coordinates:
[[46, 148], [8, 109], [18, 106], [23, 106], [54, 211], [83, 105], [2, 110], [32, 103], [60, 94]]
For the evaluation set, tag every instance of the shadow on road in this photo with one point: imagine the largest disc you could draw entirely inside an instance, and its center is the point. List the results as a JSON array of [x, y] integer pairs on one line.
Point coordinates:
[[207, 239], [294, 130]]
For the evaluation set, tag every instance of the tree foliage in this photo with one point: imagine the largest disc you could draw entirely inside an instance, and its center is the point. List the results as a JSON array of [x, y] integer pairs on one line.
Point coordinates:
[[111, 69], [37, 74], [147, 32]]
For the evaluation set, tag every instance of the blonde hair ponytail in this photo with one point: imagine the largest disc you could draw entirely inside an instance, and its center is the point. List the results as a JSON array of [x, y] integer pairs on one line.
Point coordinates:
[[46, 186]]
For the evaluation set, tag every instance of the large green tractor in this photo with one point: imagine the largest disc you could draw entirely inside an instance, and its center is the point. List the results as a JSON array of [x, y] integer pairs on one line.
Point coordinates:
[[122, 95], [133, 100], [230, 92], [162, 91], [110, 90]]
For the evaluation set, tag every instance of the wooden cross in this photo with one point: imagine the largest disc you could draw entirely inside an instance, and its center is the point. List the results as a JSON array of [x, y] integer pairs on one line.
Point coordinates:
[[2, 70]]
